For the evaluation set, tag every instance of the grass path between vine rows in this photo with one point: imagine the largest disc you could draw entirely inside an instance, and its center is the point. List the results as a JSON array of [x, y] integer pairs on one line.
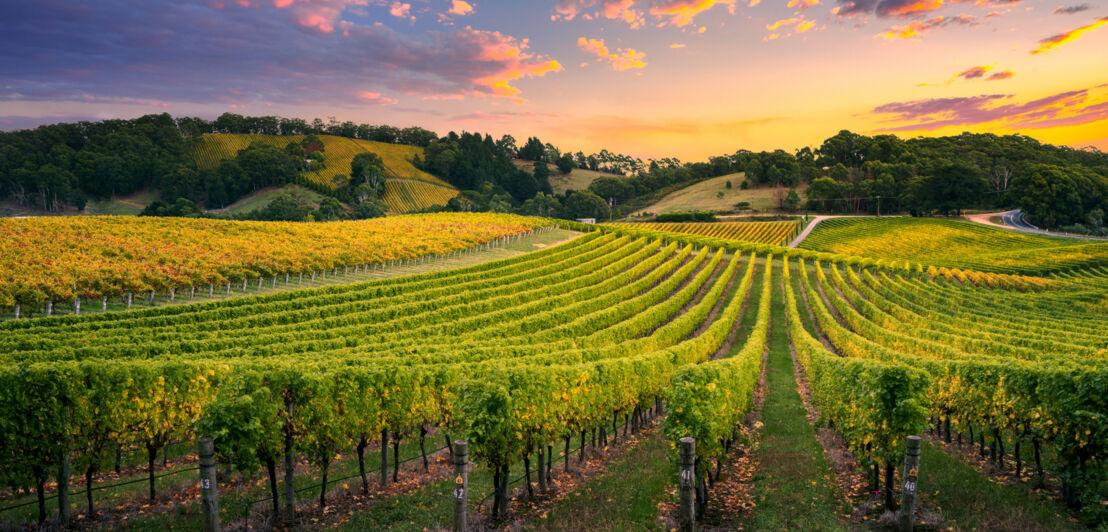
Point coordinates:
[[794, 488], [625, 497], [968, 500]]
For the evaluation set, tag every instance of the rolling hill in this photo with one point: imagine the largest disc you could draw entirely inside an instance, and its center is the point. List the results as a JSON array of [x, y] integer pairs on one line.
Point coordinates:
[[705, 196], [407, 188]]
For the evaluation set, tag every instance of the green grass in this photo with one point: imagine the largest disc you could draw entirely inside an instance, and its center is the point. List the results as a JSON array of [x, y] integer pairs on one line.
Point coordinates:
[[122, 206], [704, 196], [102, 497], [625, 497], [954, 243], [233, 503], [970, 501], [576, 179], [794, 488], [265, 196]]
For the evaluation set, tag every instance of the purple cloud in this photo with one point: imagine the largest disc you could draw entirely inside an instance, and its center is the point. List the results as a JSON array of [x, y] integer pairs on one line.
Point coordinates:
[[907, 8], [1066, 108], [236, 54], [1069, 10]]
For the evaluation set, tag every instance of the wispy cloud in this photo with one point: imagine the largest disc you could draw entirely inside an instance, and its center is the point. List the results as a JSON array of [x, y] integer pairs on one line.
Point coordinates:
[[501, 116], [664, 12], [1050, 43], [974, 72], [1069, 10], [914, 30], [803, 4], [905, 9], [1062, 109]]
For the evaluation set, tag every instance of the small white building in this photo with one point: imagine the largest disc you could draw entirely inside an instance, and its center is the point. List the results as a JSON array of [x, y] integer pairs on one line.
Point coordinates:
[[587, 220]]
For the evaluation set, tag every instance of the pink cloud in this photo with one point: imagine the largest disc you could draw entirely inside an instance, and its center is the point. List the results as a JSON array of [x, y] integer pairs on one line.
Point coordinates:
[[318, 14], [510, 60], [401, 10], [503, 116], [665, 12], [376, 97]]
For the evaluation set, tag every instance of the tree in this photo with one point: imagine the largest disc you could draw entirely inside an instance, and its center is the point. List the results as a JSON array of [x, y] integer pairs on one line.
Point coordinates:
[[1053, 196], [845, 148], [329, 209], [507, 145], [824, 190], [311, 144], [565, 163], [367, 169], [541, 205], [792, 200], [585, 204], [612, 189], [953, 187], [533, 150], [284, 207], [541, 171], [182, 207], [372, 208]]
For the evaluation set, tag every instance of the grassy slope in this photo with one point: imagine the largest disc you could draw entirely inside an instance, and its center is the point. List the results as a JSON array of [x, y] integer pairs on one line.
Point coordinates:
[[339, 152], [576, 179], [702, 197], [970, 501], [264, 196], [794, 488], [953, 243], [625, 497], [122, 205]]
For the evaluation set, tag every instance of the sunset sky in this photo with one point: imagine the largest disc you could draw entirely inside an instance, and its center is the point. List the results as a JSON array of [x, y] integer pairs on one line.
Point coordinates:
[[651, 78]]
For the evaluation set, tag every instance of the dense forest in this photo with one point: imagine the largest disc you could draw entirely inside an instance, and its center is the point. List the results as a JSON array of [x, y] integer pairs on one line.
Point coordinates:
[[61, 165]]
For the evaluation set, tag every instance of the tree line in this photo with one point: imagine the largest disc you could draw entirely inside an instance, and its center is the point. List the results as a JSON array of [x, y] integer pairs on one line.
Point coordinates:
[[51, 167], [54, 166]]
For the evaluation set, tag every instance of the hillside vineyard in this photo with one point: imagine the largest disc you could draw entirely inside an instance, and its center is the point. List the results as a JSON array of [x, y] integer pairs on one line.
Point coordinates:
[[517, 354]]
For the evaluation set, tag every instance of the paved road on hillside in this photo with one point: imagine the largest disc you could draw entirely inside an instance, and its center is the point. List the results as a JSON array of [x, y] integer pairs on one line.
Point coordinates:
[[1017, 219], [804, 234]]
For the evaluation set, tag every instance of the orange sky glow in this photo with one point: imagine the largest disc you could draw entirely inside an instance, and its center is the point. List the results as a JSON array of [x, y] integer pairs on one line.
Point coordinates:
[[650, 78]]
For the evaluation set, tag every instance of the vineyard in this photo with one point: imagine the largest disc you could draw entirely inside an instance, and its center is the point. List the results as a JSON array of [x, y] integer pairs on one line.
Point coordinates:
[[531, 355], [407, 188], [955, 244], [776, 233], [53, 260]]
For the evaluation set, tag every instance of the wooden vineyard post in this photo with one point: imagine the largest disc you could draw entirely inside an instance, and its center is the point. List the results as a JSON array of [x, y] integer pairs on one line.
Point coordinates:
[[687, 482], [461, 484], [63, 489], [911, 476], [209, 499]]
